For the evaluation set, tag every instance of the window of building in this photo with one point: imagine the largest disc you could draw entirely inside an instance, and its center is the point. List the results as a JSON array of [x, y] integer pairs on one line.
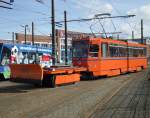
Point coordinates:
[[44, 45], [62, 47], [69, 41], [37, 44], [28, 43], [50, 45]]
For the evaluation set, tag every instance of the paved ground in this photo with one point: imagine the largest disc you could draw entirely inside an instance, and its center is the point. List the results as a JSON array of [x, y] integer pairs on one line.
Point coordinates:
[[132, 101], [125, 95]]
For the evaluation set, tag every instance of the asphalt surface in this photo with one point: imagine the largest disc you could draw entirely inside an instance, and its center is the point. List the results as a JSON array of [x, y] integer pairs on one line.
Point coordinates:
[[131, 101], [122, 96]]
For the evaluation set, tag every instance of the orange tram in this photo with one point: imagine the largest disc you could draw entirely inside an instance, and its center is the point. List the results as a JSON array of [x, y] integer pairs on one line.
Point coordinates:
[[92, 57]]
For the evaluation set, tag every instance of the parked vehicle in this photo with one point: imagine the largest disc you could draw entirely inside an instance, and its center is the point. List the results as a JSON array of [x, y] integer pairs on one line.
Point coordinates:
[[92, 57], [107, 57], [23, 54]]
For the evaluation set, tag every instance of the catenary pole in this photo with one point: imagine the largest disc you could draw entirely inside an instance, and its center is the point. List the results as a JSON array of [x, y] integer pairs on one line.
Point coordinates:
[[53, 31], [32, 33], [142, 31], [66, 36]]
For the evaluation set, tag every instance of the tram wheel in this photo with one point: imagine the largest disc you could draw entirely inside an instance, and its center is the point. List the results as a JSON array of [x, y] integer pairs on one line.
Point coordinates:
[[49, 81], [52, 82]]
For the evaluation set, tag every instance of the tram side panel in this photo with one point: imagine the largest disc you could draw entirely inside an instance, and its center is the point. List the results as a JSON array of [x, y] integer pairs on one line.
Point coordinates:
[[138, 63], [137, 59], [113, 66], [113, 58]]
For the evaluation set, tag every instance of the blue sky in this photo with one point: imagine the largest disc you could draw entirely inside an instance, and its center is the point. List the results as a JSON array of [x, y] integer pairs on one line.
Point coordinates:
[[26, 11]]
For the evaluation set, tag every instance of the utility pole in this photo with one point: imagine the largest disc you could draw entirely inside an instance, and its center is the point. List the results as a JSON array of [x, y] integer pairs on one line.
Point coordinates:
[[53, 31], [142, 31], [32, 33], [13, 37], [118, 36], [66, 36], [132, 35], [25, 33], [33, 41]]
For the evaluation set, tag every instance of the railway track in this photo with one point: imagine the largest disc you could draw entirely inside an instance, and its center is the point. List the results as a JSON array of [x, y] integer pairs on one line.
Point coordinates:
[[131, 101], [79, 100]]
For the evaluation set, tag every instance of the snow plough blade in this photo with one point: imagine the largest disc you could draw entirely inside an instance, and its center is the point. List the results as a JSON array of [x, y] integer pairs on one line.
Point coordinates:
[[46, 77], [26, 73]]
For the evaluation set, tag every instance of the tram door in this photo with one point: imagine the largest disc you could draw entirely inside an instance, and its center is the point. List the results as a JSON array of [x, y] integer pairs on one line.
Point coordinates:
[[104, 50]]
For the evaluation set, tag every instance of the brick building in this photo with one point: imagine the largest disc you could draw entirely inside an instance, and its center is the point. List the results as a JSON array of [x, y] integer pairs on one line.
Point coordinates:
[[6, 41], [39, 40], [60, 39], [46, 41]]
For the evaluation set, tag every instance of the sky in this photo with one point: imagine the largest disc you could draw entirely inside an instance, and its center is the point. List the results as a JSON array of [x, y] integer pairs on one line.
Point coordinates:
[[26, 11]]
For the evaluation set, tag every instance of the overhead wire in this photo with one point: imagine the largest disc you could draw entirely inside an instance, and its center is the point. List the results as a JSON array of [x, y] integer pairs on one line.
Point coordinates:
[[91, 10], [120, 14], [19, 9]]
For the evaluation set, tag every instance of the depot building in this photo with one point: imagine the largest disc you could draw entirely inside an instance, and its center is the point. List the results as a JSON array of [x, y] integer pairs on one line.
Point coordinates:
[[46, 41]]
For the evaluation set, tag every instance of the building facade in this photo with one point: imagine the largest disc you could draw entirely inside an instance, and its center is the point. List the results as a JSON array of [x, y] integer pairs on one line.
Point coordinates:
[[46, 41], [39, 40]]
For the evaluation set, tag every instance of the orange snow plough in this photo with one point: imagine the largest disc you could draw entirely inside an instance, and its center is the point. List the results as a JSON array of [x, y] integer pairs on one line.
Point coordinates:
[[35, 74]]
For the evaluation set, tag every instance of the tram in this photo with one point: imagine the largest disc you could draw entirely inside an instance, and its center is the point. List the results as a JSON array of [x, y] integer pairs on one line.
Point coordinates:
[[92, 57], [107, 57], [22, 54]]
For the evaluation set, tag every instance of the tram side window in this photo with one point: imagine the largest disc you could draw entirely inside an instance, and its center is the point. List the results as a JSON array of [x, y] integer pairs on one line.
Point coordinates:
[[111, 50], [130, 52], [142, 52], [93, 50], [5, 56], [145, 51], [122, 52], [114, 51], [135, 53], [117, 51], [104, 50]]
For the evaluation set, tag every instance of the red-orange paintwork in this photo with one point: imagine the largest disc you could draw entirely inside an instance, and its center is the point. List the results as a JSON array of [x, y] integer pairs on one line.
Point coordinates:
[[98, 66], [111, 66], [34, 73]]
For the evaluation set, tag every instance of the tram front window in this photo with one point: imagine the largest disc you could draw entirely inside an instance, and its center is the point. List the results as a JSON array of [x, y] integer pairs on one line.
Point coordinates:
[[80, 49]]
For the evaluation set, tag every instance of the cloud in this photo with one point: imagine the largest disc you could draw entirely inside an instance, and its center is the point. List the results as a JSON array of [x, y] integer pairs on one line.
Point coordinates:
[[108, 8], [142, 12], [105, 8], [92, 7], [88, 8]]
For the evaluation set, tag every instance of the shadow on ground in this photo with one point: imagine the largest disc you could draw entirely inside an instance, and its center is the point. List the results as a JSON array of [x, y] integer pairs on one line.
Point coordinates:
[[23, 88]]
